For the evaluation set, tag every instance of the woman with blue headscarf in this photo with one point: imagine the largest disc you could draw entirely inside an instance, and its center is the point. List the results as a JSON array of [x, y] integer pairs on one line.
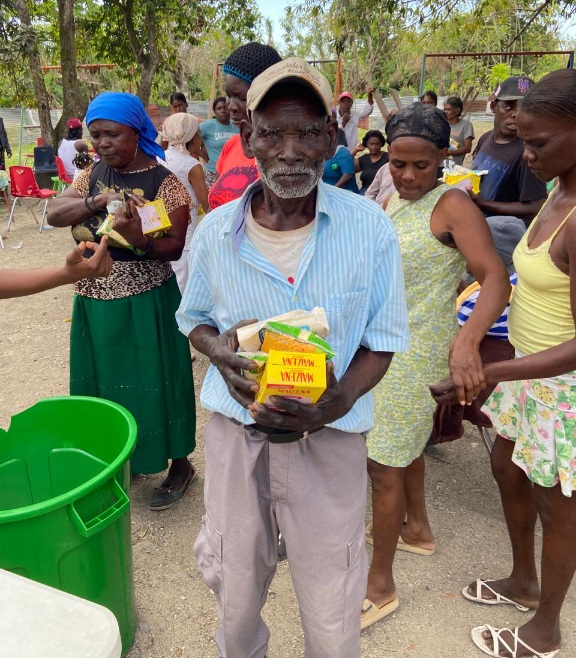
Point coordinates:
[[125, 344]]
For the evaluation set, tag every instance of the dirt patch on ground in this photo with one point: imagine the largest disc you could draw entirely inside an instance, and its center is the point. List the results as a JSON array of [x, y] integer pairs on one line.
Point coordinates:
[[177, 615]]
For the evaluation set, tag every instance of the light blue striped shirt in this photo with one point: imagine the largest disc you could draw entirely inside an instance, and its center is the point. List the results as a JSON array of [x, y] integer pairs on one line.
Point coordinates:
[[350, 265]]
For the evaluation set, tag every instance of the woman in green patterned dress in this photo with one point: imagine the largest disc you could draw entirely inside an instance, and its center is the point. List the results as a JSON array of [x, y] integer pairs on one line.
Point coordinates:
[[125, 345], [440, 232]]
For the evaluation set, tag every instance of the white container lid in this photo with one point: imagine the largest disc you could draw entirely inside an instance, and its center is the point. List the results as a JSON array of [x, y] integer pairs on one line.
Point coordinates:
[[37, 620]]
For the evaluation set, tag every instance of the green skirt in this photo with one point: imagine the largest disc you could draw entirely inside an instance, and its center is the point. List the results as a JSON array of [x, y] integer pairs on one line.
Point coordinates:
[[130, 351]]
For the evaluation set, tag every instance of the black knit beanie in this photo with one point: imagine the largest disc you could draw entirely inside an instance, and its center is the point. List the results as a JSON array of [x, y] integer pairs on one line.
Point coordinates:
[[250, 60]]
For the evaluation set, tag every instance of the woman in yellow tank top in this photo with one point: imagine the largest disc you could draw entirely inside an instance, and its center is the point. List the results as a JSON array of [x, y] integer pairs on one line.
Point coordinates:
[[534, 405]]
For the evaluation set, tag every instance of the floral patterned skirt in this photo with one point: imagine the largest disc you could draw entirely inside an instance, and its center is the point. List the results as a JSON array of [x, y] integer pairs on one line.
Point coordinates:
[[540, 416]]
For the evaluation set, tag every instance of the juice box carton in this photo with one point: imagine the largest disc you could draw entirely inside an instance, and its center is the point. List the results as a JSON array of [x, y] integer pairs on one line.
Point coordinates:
[[473, 177], [464, 178], [106, 229], [299, 376], [154, 217]]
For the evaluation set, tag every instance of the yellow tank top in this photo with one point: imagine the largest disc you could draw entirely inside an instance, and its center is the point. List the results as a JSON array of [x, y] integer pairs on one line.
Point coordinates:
[[540, 314]]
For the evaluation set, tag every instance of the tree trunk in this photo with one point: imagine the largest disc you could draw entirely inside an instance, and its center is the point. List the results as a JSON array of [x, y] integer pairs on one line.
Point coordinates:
[[74, 100], [148, 58], [149, 64], [180, 71], [42, 99], [145, 85]]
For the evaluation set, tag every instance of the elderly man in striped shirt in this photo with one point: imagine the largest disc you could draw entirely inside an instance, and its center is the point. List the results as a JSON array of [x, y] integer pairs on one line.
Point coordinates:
[[291, 242]]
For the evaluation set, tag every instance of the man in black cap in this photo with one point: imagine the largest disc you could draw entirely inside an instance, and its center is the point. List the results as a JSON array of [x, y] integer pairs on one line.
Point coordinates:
[[509, 188]]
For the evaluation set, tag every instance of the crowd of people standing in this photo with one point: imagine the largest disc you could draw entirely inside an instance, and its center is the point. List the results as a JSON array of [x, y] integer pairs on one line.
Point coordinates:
[[274, 222]]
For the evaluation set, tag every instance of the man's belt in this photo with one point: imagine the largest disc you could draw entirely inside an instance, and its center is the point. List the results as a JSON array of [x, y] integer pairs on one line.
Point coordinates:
[[275, 435]]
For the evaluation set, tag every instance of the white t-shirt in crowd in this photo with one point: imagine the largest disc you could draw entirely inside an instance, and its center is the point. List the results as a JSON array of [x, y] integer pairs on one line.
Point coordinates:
[[351, 128], [180, 164], [67, 152]]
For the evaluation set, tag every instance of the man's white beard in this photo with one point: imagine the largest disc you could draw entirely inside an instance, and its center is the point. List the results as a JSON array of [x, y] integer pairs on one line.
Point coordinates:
[[286, 190]]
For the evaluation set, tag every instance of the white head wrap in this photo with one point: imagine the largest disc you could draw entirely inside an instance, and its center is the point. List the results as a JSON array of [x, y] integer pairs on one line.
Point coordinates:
[[179, 129]]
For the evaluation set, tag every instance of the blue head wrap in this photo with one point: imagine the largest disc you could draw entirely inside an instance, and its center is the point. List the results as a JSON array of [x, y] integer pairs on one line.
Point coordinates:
[[128, 110]]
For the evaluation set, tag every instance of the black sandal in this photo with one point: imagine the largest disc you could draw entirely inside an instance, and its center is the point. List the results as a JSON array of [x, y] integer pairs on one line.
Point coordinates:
[[166, 495]]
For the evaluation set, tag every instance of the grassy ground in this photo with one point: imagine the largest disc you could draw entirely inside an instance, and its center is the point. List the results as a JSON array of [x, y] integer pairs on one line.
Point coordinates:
[[26, 148]]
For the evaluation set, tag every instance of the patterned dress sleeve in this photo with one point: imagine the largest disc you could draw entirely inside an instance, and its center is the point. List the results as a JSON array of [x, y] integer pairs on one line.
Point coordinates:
[[82, 183], [173, 193]]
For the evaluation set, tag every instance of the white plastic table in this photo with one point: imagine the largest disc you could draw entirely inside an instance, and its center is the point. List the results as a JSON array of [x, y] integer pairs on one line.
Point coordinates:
[[39, 621]]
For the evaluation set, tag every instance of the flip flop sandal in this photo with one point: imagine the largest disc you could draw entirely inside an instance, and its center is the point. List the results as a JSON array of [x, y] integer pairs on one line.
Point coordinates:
[[502, 645], [166, 496], [369, 539], [498, 600], [401, 545], [372, 613], [412, 548]]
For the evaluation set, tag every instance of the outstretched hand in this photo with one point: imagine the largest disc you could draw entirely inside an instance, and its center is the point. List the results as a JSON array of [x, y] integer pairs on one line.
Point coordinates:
[[98, 265]]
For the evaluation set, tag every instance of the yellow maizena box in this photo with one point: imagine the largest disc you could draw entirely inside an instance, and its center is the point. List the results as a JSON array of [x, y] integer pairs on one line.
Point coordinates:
[[154, 217], [299, 376]]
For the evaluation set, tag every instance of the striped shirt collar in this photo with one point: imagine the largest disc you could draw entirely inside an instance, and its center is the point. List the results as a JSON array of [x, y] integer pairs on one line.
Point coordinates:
[[238, 221]]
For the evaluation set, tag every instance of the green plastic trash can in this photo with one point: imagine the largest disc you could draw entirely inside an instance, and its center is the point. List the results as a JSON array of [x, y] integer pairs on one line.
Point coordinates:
[[64, 505]]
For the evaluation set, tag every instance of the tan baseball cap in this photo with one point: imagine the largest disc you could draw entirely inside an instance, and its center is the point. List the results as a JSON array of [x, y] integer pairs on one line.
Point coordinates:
[[292, 68]]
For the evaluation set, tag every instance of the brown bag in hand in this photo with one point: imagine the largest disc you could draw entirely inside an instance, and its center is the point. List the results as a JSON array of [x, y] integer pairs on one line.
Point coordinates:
[[449, 412]]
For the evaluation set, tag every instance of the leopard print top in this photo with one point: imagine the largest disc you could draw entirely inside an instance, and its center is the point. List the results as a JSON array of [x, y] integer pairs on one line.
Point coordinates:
[[131, 274], [127, 278]]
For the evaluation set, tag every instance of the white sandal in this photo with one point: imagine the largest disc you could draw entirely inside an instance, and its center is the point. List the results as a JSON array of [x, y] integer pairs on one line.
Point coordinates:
[[500, 644], [498, 600]]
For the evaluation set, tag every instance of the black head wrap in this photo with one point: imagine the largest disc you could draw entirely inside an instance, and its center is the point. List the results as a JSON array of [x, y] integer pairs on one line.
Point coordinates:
[[250, 60], [418, 120]]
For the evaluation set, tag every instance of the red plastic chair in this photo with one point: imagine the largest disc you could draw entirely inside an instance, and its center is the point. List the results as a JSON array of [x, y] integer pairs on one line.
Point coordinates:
[[63, 178], [23, 185]]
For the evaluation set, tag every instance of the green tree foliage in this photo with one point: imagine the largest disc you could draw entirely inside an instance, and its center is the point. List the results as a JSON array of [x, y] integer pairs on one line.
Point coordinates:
[[147, 42], [383, 43], [153, 35], [16, 38], [158, 46], [498, 73], [363, 33]]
